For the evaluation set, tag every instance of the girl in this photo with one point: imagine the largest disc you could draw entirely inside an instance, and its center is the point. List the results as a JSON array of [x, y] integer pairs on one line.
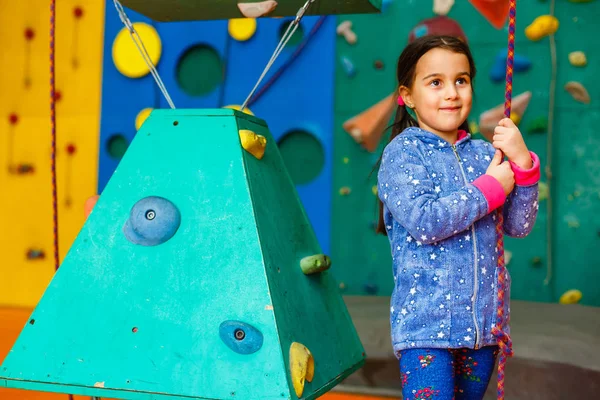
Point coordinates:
[[440, 192]]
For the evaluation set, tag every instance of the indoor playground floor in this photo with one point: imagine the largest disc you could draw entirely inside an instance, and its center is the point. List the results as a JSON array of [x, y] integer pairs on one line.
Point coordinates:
[[12, 321]]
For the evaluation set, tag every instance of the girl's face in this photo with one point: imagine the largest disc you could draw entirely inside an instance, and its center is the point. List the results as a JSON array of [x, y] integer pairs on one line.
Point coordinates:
[[441, 93]]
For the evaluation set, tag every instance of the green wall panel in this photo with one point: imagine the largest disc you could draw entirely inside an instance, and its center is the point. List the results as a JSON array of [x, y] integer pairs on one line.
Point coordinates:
[[576, 162]]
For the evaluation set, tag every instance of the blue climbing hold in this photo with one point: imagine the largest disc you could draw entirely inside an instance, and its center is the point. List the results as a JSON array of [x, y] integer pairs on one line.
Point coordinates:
[[241, 337], [348, 66], [152, 221], [498, 71], [385, 4], [371, 288], [420, 30]]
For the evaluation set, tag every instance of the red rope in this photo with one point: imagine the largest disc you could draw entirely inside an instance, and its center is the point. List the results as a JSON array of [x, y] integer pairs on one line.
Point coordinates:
[[53, 132], [504, 341], [53, 135]]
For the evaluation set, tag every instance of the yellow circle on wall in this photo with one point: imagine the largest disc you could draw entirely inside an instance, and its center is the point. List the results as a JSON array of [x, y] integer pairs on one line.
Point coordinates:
[[126, 55], [238, 107], [242, 29], [141, 117]]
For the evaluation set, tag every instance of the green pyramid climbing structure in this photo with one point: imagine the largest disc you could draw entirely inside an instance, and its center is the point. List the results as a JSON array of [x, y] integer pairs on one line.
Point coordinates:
[[196, 276]]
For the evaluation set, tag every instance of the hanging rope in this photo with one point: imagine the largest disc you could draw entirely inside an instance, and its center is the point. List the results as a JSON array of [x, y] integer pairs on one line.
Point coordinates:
[[288, 62], [282, 42], [53, 133], [504, 341], [142, 49]]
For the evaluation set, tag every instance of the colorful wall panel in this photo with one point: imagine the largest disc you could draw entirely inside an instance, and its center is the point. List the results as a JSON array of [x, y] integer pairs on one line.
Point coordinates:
[[26, 231]]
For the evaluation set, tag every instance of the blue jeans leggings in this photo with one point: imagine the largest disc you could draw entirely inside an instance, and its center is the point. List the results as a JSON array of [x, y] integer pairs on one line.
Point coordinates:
[[442, 374]]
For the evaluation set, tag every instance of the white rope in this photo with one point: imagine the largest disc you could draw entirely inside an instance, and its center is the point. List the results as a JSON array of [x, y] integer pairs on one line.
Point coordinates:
[[284, 40], [142, 49]]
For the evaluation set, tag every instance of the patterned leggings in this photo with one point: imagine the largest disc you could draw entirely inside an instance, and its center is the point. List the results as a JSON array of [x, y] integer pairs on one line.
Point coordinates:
[[442, 374]]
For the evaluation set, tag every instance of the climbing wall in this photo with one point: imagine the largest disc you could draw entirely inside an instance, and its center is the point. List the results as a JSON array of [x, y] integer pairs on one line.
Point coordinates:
[[26, 231], [295, 97], [365, 74]]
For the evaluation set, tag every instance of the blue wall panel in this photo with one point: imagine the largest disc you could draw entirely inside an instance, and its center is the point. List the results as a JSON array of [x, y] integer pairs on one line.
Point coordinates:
[[179, 38], [122, 97]]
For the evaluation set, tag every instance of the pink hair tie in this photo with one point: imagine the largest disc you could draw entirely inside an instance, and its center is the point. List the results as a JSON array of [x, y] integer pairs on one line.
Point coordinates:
[[400, 101]]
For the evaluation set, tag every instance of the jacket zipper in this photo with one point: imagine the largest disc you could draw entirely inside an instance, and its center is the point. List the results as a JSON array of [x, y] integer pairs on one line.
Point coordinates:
[[475, 284]]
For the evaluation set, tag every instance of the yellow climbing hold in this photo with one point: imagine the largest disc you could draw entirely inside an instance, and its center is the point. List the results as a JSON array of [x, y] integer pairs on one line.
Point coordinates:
[[302, 367], [242, 29], [473, 127], [126, 55], [578, 59], [374, 190], [239, 107], [141, 117], [570, 297], [516, 118], [542, 26], [253, 143]]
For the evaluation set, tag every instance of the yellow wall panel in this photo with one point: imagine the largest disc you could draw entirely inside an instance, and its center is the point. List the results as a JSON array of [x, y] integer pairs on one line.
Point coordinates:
[[26, 199]]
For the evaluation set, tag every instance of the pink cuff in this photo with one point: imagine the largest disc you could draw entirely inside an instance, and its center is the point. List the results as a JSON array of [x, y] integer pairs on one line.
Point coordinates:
[[527, 177], [492, 191]]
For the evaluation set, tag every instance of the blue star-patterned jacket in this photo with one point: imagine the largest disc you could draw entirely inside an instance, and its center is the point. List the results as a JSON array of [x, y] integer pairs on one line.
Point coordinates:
[[440, 215]]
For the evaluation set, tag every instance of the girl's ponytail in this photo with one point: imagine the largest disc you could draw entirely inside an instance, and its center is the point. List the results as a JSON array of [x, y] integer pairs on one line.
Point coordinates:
[[402, 121]]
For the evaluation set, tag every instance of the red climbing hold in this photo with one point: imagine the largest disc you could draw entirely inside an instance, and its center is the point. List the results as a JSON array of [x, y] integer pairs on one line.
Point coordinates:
[[440, 25], [495, 11], [13, 119], [78, 12], [29, 34], [71, 149]]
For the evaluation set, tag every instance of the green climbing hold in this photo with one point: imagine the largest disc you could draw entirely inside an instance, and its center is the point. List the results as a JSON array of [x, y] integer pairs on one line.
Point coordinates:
[[544, 191], [538, 125], [314, 264]]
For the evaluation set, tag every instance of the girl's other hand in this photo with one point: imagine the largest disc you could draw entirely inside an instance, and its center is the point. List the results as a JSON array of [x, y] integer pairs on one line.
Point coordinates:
[[502, 171]]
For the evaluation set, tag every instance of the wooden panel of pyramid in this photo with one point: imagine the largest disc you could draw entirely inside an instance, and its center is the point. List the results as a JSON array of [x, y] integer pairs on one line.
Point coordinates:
[[196, 10], [187, 280]]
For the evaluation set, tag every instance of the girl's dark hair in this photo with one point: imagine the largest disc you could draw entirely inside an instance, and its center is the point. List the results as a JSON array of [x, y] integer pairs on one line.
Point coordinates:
[[405, 72]]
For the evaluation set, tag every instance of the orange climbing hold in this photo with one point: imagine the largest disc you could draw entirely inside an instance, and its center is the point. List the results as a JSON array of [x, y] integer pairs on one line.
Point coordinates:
[[367, 127], [89, 205], [495, 11]]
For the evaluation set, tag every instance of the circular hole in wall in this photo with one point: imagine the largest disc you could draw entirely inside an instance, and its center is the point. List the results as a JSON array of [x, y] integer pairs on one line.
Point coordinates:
[[303, 155], [296, 37], [117, 146], [199, 70]]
